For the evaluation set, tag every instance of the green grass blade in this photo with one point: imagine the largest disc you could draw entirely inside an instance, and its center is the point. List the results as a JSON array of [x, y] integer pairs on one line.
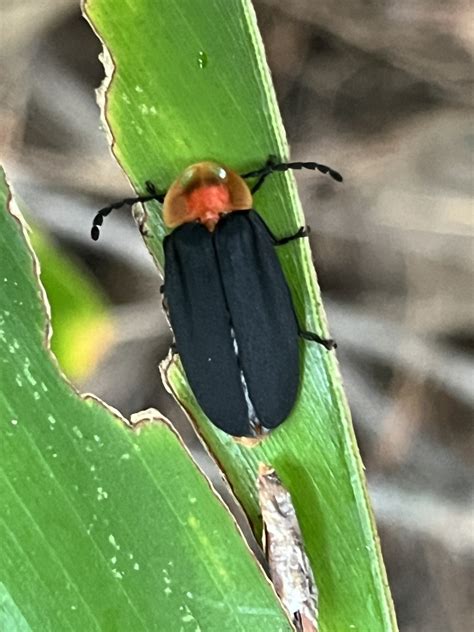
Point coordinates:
[[77, 310], [189, 83], [103, 527]]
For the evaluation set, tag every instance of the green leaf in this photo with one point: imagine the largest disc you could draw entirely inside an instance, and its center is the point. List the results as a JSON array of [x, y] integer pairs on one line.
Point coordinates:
[[82, 332], [103, 526], [190, 82]]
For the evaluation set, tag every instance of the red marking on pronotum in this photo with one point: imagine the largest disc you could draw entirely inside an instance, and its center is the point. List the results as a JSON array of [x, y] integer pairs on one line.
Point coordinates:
[[204, 192]]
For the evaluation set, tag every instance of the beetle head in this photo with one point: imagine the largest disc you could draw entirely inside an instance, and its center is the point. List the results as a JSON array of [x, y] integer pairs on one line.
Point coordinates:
[[204, 192]]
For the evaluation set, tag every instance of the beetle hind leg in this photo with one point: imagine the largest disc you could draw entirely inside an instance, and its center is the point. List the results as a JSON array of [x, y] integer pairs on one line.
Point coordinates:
[[327, 343], [300, 234]]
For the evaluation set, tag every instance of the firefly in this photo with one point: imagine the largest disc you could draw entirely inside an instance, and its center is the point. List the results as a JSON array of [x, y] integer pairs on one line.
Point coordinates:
[[226, 296]]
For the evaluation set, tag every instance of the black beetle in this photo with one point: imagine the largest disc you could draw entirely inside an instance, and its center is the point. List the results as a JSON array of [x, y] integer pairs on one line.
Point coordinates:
[[227, 298]]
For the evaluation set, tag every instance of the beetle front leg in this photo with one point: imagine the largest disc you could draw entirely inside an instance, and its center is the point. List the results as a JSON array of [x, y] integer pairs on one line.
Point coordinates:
[[261, 174]]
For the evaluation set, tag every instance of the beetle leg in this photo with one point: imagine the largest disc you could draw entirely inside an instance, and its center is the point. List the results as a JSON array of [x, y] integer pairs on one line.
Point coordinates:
[[302, 232], [328, 343], [261, 173], [99, 218], [259, 183]]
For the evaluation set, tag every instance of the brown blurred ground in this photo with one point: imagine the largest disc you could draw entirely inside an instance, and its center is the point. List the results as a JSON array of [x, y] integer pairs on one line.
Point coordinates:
[[381, 92]]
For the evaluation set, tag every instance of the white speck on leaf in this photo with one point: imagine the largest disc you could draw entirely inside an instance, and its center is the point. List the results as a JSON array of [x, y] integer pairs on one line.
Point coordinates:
[[27, 372], [113, 542], [102, 494], [77, 432], [188, 617]]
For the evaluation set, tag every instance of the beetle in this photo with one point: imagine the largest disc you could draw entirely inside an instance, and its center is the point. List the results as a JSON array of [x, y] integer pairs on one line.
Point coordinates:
[[226, 296]]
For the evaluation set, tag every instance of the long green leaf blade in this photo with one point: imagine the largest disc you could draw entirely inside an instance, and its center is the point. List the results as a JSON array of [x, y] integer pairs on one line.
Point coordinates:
[[103, 527], [189, 83]]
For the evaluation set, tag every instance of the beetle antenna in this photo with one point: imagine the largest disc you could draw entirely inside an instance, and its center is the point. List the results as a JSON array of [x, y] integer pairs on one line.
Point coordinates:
[[285, 166], [99, 218], [271, 166]]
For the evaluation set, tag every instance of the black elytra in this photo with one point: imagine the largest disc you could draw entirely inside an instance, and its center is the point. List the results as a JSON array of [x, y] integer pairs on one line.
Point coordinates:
[[233, 320], [232, 316]]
